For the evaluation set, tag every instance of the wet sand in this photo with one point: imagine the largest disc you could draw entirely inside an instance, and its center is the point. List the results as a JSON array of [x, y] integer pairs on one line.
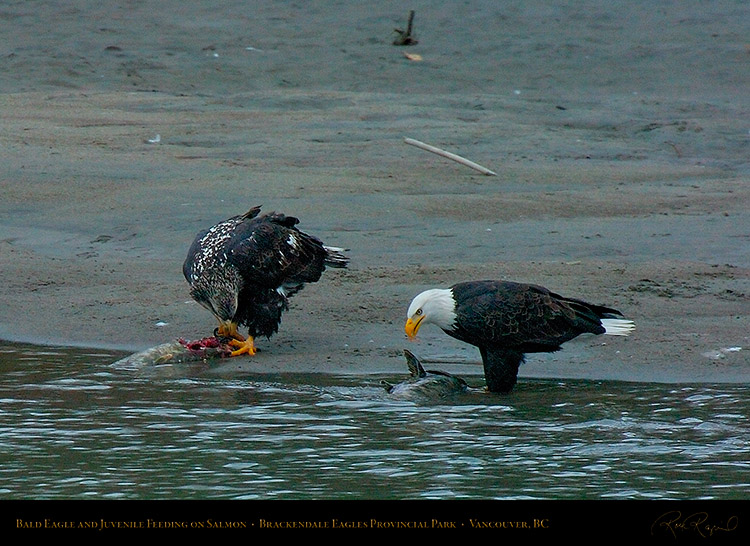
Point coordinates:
[[620, 140]]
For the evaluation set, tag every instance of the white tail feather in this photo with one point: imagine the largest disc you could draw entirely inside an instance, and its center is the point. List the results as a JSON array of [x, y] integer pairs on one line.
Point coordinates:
[[335, 257], [618, 327]]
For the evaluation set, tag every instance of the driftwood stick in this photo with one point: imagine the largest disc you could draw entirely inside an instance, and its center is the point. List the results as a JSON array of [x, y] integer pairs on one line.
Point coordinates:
[[410, 23], [406, 37], [450, 155]]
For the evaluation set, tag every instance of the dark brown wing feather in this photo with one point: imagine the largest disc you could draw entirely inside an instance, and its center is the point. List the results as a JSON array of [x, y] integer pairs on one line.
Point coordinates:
[[524, 317], [270, 251]]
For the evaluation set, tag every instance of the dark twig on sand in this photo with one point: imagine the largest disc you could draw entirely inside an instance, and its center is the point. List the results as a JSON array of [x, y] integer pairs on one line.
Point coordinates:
[[406, 37]]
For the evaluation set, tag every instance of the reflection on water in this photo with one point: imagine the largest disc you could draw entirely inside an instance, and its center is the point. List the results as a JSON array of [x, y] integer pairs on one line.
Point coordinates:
[[72, 426]]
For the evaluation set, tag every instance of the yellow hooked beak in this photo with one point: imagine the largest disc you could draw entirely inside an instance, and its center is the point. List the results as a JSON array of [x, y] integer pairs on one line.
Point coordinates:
[[412, 326]]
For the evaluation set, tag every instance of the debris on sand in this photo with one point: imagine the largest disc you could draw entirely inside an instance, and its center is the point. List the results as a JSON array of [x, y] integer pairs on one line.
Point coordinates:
[[721, 353], [449, 155], [406, 37]]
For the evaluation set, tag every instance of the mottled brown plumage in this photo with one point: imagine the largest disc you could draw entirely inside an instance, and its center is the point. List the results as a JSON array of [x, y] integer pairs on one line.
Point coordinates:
[[245, 268]]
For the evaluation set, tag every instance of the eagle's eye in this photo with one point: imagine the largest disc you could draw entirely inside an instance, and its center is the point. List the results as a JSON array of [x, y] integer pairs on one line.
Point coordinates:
[[419, 312]]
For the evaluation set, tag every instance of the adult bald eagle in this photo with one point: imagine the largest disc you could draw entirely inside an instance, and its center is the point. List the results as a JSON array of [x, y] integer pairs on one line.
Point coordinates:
[[506, 320], [245, 268]]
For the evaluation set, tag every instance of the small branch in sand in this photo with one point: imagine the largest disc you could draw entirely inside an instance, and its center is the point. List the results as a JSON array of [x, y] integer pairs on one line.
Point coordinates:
[[675, 147], [449, 155], [406, 38]]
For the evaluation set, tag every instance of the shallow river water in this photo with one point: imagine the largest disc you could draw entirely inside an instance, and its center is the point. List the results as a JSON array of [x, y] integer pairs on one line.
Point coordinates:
[[74, 427]]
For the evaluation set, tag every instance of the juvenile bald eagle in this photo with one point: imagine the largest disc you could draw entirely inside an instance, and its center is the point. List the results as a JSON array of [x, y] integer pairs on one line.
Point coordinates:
[[245, 268], [506, 320]]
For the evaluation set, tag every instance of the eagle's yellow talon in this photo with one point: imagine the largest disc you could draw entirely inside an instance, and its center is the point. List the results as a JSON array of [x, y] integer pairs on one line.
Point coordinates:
[[228, 330], [243, 347]]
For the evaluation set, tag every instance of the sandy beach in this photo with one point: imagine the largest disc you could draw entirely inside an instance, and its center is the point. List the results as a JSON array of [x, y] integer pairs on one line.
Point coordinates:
[[619, 132]]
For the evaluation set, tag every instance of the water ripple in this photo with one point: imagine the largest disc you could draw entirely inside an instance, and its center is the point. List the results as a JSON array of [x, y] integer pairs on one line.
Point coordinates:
[[73, 429]]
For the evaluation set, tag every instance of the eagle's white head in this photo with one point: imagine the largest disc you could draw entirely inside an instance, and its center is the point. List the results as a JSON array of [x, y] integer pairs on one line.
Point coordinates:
[[436, 306]]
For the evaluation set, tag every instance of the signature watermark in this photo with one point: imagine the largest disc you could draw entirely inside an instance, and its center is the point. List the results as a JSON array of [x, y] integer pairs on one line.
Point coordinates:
[[699, 524]]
